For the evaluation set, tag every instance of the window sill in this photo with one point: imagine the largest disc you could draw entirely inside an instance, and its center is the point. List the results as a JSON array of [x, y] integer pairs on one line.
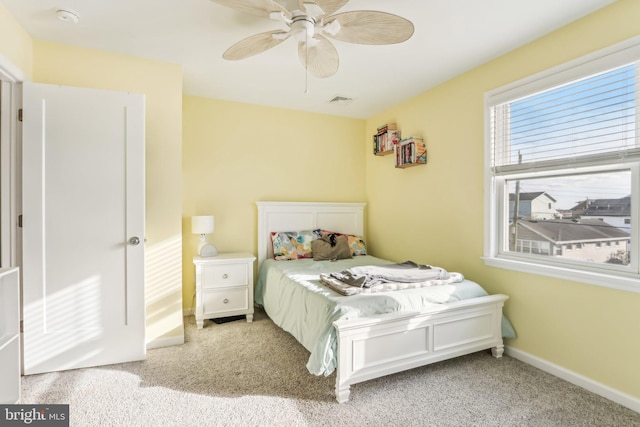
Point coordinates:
[[621, 283]]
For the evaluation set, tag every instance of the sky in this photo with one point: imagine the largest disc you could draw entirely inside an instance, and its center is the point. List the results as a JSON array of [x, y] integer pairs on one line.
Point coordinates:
[[571, 190], [579, 121]]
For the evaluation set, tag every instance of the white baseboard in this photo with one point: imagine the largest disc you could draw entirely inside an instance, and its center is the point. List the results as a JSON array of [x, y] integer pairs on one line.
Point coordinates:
[[165, 342], [607, 392]]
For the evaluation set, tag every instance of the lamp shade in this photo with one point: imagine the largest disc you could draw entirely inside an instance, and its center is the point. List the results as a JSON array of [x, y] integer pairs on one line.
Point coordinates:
[[202, 224]]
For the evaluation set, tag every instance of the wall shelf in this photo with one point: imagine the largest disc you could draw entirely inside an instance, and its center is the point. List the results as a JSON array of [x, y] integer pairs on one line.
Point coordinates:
[[386, 137], [410, 152]]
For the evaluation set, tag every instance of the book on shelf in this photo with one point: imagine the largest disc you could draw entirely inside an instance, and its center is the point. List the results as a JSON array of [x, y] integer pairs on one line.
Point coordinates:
[[387, 126], [394, 136], [411, 151], [386, 137], [411, 139]]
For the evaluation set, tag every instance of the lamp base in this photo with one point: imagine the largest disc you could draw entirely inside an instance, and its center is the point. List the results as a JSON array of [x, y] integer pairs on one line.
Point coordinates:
[[207, 250]]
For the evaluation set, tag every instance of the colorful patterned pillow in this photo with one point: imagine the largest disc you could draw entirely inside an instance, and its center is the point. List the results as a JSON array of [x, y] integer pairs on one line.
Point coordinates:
[[356, 243], [293, 244]]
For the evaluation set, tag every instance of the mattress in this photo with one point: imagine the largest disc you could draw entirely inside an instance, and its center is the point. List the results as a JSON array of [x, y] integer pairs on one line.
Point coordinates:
[[295, 299]]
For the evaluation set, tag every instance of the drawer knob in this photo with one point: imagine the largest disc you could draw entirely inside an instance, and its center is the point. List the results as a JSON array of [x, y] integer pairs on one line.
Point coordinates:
[[226, 300], [225, 276]]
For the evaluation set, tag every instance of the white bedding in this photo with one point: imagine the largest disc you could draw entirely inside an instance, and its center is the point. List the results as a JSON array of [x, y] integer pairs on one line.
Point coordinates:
[[295, 299]]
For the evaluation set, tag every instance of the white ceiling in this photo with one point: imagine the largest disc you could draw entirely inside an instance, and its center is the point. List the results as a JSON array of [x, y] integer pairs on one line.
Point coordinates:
[[451, 37]]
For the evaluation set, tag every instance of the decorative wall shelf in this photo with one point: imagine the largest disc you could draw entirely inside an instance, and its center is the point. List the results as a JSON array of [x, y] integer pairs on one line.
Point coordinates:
[[385, 139], [411, 151]]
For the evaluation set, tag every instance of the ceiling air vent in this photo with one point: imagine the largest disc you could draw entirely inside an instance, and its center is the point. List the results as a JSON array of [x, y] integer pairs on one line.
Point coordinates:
[[340, 100]]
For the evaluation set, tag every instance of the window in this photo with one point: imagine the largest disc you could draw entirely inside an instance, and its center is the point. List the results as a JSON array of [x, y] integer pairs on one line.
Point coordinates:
[[563, 171]]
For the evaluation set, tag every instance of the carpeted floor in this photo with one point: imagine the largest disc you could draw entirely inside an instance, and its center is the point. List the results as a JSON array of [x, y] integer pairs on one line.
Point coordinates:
[[254, 374]]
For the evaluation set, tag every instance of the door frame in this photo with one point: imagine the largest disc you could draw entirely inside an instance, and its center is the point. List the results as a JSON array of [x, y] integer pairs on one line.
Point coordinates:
[[11, 175], [10, 162]]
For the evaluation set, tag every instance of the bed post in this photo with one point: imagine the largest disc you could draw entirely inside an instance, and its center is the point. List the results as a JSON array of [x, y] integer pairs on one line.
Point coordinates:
[[342, 374], [342, 392], [497, 351]]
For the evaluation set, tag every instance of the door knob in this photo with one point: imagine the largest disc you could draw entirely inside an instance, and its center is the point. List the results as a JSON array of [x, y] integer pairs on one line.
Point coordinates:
[[134, 241]]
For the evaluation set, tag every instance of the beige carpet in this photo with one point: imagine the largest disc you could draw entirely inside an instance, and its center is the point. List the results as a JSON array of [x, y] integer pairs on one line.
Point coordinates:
[[253, 374]]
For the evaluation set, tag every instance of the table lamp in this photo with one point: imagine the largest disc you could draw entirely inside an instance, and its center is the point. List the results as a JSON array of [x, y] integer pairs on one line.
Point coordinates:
[[203, 225]]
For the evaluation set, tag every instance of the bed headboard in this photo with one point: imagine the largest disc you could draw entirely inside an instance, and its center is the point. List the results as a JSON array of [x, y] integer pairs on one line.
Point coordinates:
[[295, 216]]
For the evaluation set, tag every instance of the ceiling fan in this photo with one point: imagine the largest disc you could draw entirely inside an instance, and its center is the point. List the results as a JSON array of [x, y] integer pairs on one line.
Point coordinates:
[[311, 23]]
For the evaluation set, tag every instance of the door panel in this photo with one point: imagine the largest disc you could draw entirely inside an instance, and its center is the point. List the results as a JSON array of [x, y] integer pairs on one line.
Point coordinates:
[[83, 199]]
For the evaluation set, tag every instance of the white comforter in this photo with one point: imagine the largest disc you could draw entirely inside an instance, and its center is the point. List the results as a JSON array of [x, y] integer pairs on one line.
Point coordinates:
[[295, 299]]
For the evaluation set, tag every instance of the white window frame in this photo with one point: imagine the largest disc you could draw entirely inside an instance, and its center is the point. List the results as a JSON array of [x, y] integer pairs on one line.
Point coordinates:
[[625, 278]]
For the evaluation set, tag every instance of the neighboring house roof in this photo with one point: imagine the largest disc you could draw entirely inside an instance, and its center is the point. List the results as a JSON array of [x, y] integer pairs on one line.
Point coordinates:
[[581, 206], [563, 230], [609, 207], [529, 196]]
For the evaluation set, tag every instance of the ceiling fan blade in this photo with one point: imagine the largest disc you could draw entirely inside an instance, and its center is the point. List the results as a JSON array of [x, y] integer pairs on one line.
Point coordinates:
[[328, 6], [321, 58], [370, 27], [255, 7], [255, 44]]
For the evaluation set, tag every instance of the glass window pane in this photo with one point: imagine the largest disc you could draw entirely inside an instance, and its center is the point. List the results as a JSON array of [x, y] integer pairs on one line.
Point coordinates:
[[587, 117], [582, 217]]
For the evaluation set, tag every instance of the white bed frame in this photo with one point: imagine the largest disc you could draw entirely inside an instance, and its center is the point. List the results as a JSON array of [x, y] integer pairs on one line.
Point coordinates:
[[376, 346]]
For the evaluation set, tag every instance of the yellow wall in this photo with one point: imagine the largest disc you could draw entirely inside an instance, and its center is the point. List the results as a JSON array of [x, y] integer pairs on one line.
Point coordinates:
[[434, 213], [236, 154], [15, 44], [161, 83]]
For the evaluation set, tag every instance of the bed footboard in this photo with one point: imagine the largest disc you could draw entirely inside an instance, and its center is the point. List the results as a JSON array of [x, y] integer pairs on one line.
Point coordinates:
[[373, 347]]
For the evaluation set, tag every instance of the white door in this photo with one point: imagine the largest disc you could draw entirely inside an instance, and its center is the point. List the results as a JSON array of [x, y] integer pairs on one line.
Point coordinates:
[[83, 227]]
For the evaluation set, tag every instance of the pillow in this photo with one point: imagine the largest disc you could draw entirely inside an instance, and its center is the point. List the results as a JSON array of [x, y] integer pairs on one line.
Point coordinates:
[[293, 244], [331, 247], [356, 243]]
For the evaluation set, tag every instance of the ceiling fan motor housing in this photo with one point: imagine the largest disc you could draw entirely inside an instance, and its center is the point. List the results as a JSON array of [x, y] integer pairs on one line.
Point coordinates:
[[303, 27]]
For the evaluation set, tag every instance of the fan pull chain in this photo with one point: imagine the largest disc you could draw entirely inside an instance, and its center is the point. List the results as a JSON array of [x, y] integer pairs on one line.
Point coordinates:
[[306, 62]]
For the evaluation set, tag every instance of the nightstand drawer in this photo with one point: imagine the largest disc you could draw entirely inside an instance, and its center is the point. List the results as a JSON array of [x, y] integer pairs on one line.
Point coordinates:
[[220, 302], [225, 275]]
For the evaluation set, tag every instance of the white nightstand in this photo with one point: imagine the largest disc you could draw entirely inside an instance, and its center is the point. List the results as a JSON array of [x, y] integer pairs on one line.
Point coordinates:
[[224, 286]]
